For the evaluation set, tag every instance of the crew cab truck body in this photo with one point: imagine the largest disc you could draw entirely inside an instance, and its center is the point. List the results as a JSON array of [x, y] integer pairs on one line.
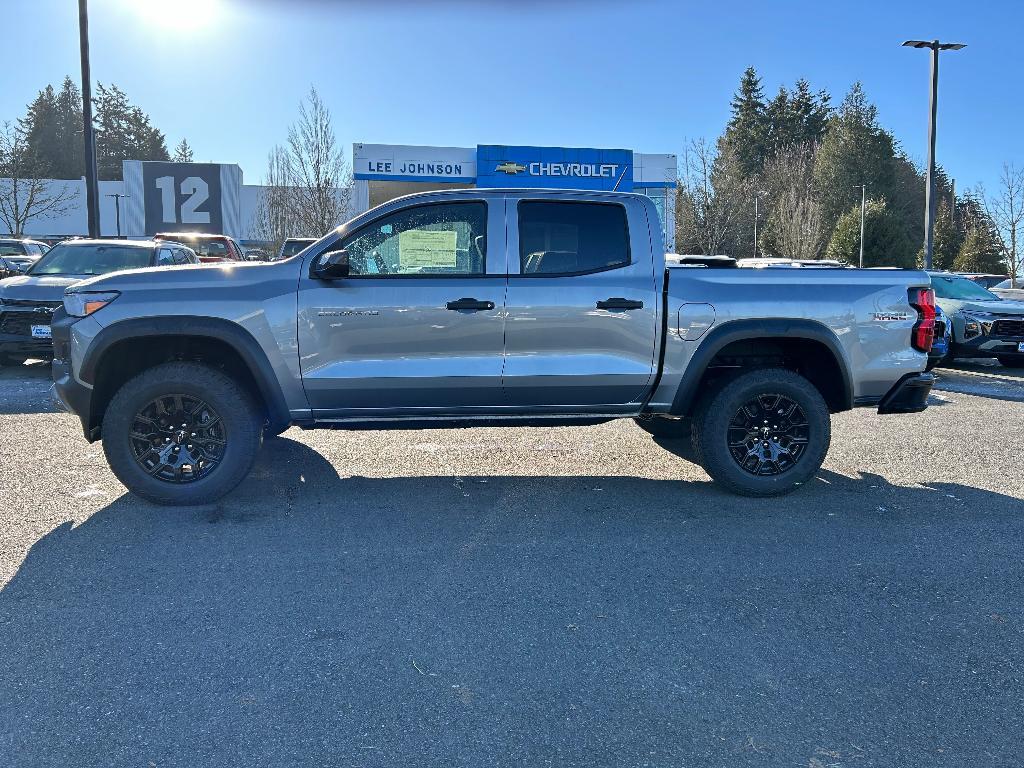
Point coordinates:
[[485, 307]]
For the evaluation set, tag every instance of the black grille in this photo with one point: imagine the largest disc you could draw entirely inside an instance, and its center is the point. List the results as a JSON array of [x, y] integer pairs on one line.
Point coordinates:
[[20, 323], [940, 328], [1008, 328]]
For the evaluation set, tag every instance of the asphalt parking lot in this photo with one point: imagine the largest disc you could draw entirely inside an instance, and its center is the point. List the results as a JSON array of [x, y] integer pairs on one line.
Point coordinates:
[[524, 597]]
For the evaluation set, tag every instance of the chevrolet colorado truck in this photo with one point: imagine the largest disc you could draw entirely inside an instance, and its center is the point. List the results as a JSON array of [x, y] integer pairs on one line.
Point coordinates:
[[485, 307]]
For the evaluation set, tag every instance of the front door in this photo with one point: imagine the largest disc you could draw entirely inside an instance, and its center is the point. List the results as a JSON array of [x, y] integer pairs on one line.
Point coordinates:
[[582, 312], [418, 325]]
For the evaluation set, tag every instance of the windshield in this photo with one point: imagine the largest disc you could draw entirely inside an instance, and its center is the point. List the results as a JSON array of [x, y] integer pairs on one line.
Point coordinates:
[[91, 259], [11, 249], [291, 247], [961, 289]]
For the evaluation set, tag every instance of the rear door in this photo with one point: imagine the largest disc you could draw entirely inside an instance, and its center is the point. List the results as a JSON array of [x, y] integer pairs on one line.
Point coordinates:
[[582, 302], [418, 325]]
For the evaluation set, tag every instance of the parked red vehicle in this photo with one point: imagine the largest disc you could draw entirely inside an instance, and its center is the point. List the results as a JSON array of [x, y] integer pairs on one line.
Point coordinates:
[[209, 248]]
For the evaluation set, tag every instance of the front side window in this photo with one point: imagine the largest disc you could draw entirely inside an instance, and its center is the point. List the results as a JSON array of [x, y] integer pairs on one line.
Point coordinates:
[[164, 257], [445, 239], [571, 238]]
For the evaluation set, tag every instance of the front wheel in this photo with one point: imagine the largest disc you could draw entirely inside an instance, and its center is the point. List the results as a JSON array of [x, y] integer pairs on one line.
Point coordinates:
[[1012, 361], [181, 434], [765, 433]]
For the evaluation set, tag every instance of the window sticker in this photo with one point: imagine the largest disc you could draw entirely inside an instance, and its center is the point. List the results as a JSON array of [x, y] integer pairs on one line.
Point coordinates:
[[419, 248]]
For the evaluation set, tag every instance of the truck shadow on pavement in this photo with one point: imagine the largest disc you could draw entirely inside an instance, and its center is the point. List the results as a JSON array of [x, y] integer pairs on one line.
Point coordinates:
[[26, 389], [318, 619]]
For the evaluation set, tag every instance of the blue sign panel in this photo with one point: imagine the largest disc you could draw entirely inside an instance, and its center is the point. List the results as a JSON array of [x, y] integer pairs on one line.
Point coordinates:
[[554, 168]]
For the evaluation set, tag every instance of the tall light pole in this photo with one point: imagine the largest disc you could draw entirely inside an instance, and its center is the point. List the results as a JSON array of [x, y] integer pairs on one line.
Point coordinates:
[[117, 210], [863, 211], [929, 185], [92, 188], [757, 197]]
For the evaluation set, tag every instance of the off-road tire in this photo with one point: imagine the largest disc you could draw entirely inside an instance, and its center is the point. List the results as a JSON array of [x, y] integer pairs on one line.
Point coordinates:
[[242, 419], [1012, 361], [717, 411]]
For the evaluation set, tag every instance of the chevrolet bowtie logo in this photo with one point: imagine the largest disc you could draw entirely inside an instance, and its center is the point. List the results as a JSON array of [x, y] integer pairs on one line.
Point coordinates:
[[510, 168]]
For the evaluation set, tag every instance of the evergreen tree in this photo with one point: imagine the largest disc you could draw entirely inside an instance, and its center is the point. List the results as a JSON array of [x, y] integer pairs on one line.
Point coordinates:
[[854, 151], [123, 132], [183, 152], [885, 242], [69, 162], [809, 113], [980, 251], [747, 131], [40, 128], [948, 239]]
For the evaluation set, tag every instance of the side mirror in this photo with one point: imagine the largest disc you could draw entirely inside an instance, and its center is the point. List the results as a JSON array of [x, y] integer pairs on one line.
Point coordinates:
[[331, 265]]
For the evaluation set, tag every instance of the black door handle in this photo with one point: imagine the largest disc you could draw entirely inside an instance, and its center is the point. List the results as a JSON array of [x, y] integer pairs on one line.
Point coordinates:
[[469, 304], [620, 303]]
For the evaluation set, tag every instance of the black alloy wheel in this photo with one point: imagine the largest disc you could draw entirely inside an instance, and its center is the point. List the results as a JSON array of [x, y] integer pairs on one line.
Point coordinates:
[[178, 438], [768, 435]]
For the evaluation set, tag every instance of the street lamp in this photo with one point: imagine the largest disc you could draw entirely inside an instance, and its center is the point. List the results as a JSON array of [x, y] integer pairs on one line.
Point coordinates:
[[757, 197], [929, 196], [92, 188], [117, 210], [863, 210]]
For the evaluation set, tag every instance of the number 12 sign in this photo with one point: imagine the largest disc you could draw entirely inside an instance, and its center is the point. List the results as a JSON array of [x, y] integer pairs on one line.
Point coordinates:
[[182, 197]]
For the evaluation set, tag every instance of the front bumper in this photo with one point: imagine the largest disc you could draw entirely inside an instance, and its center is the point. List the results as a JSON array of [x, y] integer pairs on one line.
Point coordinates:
[[69, 392], [909, 395]]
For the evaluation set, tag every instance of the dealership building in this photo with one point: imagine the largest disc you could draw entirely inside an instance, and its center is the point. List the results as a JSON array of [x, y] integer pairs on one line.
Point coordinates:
[[159, 196]]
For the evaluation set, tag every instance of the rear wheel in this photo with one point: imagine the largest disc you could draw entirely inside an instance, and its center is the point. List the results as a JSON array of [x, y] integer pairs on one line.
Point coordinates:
[[1012, 361], [765, 433], [181, 434], [8, 359]]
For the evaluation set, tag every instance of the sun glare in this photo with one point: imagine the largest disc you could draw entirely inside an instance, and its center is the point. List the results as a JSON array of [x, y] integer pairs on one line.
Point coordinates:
[[178, 15]]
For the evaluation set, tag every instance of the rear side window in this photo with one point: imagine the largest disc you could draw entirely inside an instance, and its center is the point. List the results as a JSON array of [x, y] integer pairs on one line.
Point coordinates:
[[571, 238]]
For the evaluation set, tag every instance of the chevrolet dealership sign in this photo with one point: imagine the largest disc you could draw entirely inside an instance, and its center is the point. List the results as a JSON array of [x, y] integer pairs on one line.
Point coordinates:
[[555, 168]]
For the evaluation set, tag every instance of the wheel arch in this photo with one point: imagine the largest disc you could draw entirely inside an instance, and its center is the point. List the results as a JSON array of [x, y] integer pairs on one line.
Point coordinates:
[[761, 343], [126, 348]]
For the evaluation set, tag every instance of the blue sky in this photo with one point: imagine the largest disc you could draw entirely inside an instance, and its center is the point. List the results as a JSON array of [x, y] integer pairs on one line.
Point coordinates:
[[227, 74]]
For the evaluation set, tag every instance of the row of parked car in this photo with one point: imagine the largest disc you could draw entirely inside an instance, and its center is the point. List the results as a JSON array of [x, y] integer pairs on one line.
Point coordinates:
[[35, 274], [18, 254]]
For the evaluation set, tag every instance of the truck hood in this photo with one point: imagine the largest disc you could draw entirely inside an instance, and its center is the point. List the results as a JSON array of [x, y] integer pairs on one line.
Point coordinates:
[[37, 288], [191, 281], [984, 307], [197, 275]]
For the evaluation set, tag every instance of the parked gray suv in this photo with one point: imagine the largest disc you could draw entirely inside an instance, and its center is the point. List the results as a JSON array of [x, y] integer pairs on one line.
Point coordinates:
[[484, 307]]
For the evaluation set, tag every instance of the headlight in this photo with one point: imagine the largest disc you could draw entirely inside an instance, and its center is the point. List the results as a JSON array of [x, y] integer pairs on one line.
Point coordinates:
[[84, 304], [977, 323]]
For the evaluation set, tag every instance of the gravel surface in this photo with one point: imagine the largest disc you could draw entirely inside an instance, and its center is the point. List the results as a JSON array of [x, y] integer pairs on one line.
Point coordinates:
[[520, 597]]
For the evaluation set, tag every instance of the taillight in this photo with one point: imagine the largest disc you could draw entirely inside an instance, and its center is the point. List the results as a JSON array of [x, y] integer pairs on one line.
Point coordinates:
[[923, 335]]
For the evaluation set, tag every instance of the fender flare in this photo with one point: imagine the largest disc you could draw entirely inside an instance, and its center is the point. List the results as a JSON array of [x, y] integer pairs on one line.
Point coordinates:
[[226, 331], [744, 330]]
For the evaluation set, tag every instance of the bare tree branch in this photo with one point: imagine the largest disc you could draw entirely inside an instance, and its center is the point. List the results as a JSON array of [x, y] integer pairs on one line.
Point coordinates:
[[796, 218], [705, 218], [1006, 209], [24, 194]]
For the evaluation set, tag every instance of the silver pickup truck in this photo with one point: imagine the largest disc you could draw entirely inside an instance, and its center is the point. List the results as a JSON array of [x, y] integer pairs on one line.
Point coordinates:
[[485, 307]]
